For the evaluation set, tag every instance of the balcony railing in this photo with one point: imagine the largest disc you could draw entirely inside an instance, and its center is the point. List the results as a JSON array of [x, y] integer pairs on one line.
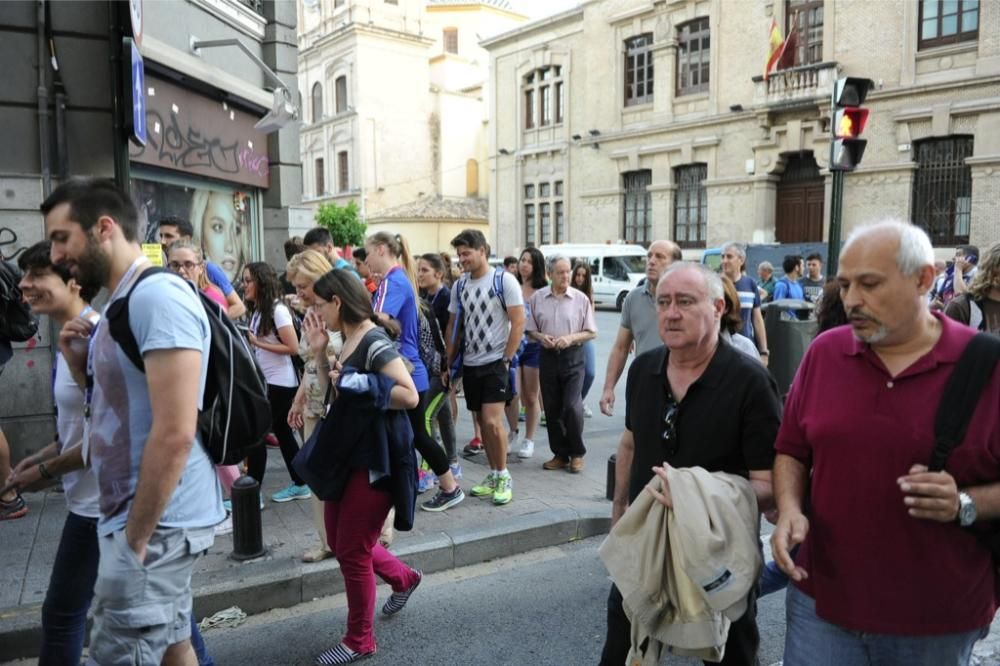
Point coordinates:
[[804, 83]]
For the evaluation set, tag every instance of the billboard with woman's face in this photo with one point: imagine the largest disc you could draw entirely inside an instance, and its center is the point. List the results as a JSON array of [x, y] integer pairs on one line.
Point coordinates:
[[222, 218]]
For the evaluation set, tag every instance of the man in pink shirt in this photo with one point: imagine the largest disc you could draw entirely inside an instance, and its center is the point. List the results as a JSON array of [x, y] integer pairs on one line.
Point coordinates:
[[562, 320], [890, 570]]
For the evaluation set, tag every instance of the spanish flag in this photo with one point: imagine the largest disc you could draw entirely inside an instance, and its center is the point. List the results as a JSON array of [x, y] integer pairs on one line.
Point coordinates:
[[775, 44]]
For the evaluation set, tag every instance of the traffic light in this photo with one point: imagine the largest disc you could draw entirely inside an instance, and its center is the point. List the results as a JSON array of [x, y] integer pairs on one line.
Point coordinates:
[[849, 120]]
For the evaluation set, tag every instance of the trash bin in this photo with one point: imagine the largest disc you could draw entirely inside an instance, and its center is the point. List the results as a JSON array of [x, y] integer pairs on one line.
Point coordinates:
[[790, 328]]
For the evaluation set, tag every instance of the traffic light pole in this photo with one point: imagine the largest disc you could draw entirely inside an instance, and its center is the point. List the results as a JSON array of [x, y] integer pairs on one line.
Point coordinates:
[[836, 217]]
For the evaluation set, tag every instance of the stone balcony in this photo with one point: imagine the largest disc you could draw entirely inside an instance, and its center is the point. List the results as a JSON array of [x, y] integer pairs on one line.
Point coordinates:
[[800, 86]]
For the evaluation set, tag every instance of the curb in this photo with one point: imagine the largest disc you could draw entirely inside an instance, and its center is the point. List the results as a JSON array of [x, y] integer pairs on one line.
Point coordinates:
[[277, 584]]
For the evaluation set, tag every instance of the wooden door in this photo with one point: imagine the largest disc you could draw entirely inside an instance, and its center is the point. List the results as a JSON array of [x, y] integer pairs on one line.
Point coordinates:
[[800, 202]]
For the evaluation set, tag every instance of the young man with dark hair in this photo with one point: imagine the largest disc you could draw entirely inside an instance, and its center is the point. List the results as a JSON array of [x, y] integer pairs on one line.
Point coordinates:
[[159, 497], [173, 228], [814, 280], [489, 335], [319, 239], [510, 265], [788, 286]]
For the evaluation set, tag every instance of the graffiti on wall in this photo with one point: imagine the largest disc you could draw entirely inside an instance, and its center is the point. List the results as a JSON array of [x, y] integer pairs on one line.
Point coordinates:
[[9, 246], [199, 136], [223, 219], [189, 148]]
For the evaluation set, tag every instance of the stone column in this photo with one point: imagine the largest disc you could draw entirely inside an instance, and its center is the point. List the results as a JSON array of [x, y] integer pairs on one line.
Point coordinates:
[[280, 52]]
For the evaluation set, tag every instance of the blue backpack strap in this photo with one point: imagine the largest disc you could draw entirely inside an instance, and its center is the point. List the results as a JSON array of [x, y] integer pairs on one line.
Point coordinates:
[[498, 274]]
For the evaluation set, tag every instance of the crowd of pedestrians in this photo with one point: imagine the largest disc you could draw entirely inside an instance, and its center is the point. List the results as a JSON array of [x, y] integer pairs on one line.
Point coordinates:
[[380, 346]]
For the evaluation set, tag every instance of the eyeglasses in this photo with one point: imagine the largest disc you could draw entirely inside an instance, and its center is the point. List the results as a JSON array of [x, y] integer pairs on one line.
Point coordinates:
[[669, 425], [176, 266]]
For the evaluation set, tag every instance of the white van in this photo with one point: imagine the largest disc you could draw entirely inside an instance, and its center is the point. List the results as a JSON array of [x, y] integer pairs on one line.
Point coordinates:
[[616, 269]]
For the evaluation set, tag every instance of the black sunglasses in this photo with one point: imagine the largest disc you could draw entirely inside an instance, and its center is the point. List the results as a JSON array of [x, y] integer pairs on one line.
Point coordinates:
[[669, 425]]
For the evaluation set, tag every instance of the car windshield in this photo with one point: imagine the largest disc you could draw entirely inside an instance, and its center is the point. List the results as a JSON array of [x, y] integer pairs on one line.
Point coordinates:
[[634, 263]]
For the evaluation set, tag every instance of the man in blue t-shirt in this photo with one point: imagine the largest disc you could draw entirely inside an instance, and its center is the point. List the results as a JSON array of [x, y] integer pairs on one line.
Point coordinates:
[[734, 259], [159, 496], [173, 228], [319, 239], [788, 285]]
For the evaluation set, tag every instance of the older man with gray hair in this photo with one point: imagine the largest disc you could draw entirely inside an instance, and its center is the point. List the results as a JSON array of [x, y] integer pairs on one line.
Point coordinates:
[[695, 402], [890, 570], [562, 320], [734, 259]]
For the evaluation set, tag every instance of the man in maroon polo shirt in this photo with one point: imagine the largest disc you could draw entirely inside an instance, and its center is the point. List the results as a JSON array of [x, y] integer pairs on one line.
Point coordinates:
[[888, 571]]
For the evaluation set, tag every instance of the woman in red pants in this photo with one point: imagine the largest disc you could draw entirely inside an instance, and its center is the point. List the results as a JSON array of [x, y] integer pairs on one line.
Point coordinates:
[[354, 522]]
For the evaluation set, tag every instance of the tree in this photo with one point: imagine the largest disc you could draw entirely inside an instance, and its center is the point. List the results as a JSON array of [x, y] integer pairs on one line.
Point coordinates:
[[342, 222]]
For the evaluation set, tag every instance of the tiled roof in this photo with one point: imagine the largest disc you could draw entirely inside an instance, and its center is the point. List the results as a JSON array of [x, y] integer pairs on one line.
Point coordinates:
[[437, 208]]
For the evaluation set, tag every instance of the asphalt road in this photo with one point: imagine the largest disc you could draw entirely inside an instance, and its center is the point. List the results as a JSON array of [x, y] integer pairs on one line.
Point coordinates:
[[545, 607]]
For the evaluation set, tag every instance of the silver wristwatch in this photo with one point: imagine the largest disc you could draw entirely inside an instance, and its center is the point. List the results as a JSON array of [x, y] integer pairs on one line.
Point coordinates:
[[966, 510]]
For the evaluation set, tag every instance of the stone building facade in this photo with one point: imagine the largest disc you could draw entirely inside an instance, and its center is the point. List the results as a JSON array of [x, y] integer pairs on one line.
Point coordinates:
[[395, 109], [644, 119]]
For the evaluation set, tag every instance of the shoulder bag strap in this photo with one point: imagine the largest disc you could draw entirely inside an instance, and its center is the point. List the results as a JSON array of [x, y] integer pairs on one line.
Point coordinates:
[[961, 395]]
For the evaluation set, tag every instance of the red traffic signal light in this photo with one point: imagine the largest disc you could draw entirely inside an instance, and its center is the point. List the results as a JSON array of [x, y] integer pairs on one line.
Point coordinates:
[[849, 123]]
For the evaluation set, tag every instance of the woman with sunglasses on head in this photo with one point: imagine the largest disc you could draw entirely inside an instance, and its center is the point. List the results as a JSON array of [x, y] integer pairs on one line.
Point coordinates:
[[582, 282], [354, 521], [272, 335], [397, 299], [531, 275], [315, 348]]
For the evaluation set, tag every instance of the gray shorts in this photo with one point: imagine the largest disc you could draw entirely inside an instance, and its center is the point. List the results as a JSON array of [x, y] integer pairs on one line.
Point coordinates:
[[141, 609]]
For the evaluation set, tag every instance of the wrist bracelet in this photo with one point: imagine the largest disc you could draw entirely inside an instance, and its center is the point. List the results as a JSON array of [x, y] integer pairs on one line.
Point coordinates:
[[764, 352], [45, 473]]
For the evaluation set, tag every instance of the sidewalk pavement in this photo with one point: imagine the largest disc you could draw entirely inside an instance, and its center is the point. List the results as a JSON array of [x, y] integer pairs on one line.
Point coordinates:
[[549, 508]]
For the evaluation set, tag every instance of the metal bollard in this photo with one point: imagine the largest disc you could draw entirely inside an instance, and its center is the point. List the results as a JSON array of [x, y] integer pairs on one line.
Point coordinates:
[[609, 484], [248, 537]]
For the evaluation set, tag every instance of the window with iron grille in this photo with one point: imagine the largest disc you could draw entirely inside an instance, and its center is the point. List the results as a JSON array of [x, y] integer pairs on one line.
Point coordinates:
[[320, 177], [694, 50], [807, 17], [690, 205], [317, 102], [639, 69], [340, 88], [942, 189], [545, 221], [560, 223], [530, 230], [637, 217], [451, 40], [544, 102], [948, 22], [343, 174]]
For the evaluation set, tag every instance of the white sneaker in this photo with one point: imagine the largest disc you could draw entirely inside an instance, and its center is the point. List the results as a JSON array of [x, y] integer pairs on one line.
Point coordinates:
[[527, 449], [225, 527], [512, 438], [587, 414]]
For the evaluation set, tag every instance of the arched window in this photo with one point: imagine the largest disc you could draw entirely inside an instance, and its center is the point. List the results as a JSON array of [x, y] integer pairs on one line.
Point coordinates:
[[317, 102], [340, 87]]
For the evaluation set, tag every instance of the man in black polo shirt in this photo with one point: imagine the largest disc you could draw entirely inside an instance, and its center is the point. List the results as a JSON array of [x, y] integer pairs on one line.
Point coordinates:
[[697, 402]]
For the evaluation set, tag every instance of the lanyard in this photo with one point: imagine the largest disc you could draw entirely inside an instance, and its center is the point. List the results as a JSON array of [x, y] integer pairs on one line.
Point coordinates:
[[125, 281]]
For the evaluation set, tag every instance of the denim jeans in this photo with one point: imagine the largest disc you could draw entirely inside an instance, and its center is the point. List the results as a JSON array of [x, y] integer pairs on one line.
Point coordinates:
[[810, 641], [71, 590]]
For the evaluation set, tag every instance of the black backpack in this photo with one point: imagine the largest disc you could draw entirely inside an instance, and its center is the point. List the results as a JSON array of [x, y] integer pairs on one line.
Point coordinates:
[[235, 415], [17, 324]]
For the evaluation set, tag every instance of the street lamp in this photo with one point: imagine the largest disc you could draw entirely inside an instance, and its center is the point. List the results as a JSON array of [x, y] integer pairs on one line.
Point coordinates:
[[283, 110]]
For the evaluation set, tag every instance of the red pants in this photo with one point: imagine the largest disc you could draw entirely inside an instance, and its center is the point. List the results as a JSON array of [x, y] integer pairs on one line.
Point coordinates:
[[353, 526]]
